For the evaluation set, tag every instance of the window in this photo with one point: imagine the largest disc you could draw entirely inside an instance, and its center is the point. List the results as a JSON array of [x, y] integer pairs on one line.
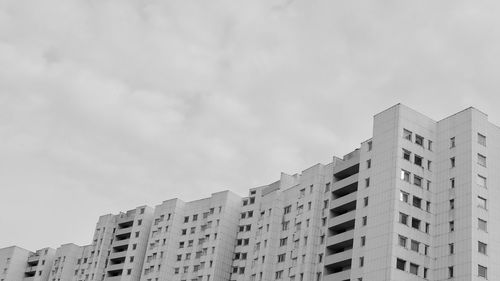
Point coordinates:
[[402, 241], [417, 160], [417, 180], [407, 134], [413, 268], [451, 248], [419, 140], [452, 226], [481, 139], [183, 231], [281, 257], [482, 225], [452, 162], [361, 261], [481, 181], [428, 206], [403, 196], [278, 275], [405, 175], [425, 272], [452, 182], [417, 202], [363, 241], [400, 264], [368, 163], [370, 145], [365, 201], [186, 219], [406, 154], [365, 220], [481, 247], [284, 225], [452, 204], [403, 218], [415, 245], [481, 160], [283, 241], [452, 142], [481, 202], [429, 165], [450, 272], [367, 182], [429, 145], [287, 209], [482, 271], [415, 223]]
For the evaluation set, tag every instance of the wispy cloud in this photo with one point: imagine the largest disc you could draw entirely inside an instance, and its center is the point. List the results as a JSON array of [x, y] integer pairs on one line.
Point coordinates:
[[106, 105]]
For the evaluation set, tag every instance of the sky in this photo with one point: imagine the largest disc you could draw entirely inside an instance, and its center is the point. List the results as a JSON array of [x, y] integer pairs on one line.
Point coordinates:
[[108, 105]]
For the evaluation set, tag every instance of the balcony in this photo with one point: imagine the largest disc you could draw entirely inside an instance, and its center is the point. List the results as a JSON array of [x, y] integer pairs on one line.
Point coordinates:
[[30, 269], [341, 237], [117, 255], [120, 243], [123, 236], [115, 267], [117, 260], [342, 219], [123, 231], [338, 276], [346, 182], [112, 278], [338, 257], [348, 167], [33, 259], [338, 271], [114, 273], [337, 203], [341, 228]]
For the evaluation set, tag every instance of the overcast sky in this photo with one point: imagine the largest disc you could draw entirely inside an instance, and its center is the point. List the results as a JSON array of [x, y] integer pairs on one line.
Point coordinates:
[[108, 105]]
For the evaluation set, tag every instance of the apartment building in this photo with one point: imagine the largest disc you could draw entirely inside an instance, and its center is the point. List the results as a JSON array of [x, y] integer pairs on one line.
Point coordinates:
[[281, 231], [19, 264], [193, 240], [13, 263], [65, 261], [116, 253], [413, 202]]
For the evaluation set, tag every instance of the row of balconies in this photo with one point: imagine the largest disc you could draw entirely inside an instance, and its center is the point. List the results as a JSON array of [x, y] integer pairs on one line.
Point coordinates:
[[341, 223]]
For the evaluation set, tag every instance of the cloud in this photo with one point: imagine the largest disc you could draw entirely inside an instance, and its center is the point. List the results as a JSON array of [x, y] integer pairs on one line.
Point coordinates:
[[106, 105]]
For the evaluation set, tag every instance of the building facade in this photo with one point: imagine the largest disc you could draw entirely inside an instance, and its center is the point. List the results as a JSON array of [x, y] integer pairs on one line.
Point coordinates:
[[413, 202], [193, 240]]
